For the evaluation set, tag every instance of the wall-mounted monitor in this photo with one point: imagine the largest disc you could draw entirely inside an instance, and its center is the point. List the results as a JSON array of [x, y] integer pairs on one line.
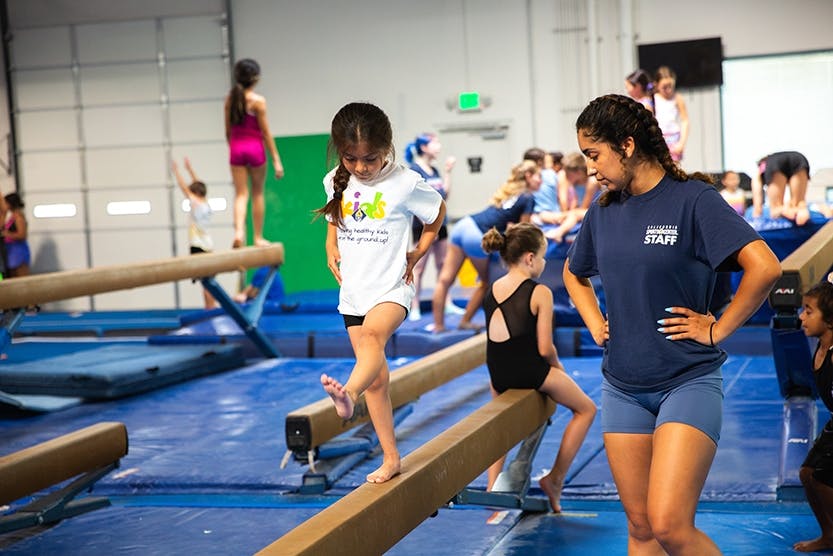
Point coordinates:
[[697, 63]]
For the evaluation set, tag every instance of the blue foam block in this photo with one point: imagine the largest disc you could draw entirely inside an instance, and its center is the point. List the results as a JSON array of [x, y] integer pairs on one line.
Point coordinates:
[[116, 370]]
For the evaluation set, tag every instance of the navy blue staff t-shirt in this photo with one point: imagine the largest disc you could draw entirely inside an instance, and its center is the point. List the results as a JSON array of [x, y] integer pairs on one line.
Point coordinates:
[[652, 251]]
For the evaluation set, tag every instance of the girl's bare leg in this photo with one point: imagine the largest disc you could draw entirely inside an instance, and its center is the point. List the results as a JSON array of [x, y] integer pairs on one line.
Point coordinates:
[[820, 498], [451, 266], [798, 196], [629, 457], [377, 397], [563, 390], [240, 178], [419, 270], [258, 176], [775, 196], [682, 456], [494, 469], [476, 299], [371, 376]]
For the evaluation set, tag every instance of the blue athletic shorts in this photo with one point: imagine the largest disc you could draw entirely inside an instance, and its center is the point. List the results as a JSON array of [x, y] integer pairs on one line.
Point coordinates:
[[467, 236], [697, 402]]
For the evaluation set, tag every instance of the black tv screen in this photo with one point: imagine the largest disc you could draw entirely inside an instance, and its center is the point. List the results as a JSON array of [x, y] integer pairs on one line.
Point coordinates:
[[697, 63]]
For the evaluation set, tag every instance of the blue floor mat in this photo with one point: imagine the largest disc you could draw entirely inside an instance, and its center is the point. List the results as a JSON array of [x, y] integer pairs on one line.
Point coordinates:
[[217, 441], [113, 371], [99, 323]]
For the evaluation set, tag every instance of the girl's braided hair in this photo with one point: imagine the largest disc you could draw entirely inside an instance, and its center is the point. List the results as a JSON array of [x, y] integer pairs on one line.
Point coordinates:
[[355, 123]]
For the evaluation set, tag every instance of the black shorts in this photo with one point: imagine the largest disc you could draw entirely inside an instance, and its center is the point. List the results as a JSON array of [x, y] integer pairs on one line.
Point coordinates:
[[417, 231], [352, 320], [820, 457], [788, 163]]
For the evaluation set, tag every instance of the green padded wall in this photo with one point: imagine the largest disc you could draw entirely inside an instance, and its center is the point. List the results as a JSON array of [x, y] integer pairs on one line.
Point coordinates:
[[289, 218]]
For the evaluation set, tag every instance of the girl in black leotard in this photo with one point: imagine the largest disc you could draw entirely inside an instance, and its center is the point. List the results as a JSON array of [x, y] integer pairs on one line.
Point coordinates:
[[817, 470], [520, 352]]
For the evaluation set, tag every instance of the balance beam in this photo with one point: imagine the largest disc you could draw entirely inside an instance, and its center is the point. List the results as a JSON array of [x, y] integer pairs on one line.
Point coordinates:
[[802, 268], [33, 469], [316, 423], [372, 518], [57, 286]]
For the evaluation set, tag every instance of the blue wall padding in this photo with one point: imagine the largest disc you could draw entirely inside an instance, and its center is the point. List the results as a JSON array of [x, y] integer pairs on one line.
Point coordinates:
[[800, 416], [793, 362]]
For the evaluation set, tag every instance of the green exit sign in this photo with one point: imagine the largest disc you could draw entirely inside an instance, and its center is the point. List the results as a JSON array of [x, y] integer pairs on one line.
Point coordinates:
[[469, 101]]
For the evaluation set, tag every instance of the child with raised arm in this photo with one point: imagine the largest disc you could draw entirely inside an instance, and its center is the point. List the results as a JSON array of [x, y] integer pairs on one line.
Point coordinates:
[[817, 470], [371, 201], [248, 136], [519, 350], [199, 216]]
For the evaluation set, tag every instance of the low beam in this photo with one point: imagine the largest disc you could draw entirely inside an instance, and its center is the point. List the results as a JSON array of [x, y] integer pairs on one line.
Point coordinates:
[[57, 286], [314, 424], [802, 268], [373, 518], [33, 469]]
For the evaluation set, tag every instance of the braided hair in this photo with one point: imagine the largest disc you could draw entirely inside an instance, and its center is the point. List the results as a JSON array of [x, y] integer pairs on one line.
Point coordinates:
[[246, 74], [354, 123], [613, 118]]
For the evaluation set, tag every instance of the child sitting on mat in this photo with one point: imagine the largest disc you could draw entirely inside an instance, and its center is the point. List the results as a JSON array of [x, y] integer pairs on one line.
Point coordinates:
[[817, 470], [520, 352]]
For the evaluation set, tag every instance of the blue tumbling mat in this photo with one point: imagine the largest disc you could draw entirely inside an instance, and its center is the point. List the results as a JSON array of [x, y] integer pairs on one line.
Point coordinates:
[[114, 371]]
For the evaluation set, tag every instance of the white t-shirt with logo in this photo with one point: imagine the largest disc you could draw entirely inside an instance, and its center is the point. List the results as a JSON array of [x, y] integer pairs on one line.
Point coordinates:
[[376, 236]]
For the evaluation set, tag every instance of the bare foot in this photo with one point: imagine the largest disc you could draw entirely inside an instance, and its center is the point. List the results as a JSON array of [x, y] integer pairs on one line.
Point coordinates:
[[802, 216], [553, 491], [467, 325], [341, 398], [815, 545], [237, 243], [387, 471], [262, 242]]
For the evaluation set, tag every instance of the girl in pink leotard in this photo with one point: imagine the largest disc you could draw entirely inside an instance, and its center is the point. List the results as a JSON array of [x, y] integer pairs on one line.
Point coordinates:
[[248, 136]]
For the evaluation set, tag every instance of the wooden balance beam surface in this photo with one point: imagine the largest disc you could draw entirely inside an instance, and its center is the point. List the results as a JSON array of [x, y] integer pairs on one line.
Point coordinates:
[[57, 286], [803, 267], [316, 423], [54, 461], [813, 258], [372, 518]]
